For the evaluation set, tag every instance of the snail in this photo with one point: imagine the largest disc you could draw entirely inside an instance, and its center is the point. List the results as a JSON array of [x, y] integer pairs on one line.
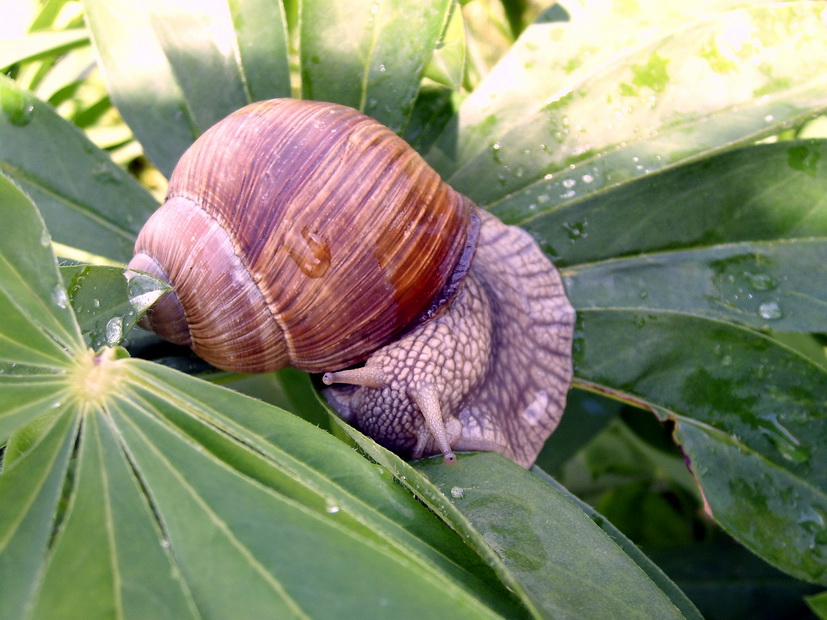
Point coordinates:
[[307, 234]]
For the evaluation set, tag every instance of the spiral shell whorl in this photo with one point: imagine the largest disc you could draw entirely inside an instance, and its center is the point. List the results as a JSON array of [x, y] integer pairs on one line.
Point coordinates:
[[338, 233]]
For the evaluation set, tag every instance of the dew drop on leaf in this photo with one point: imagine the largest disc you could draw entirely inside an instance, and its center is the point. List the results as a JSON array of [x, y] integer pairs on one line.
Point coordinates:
[[60, 297], [770, 310], [114, 330]]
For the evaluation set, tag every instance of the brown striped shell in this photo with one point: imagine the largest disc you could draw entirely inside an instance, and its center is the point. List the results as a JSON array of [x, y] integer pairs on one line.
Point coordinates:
[[302, 233]]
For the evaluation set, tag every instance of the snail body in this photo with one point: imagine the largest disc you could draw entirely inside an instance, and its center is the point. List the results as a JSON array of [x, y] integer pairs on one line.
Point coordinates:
[[306, 234]]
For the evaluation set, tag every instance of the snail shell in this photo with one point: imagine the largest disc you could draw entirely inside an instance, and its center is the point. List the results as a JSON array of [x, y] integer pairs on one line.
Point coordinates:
[[310, 245], [305, 233]]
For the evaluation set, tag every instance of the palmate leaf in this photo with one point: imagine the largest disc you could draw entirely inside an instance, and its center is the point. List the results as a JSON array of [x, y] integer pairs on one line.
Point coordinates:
[[164, 491]]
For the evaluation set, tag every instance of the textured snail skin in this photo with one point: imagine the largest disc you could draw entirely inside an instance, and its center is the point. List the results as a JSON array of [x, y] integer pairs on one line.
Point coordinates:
[[307, 234], [490, 373]]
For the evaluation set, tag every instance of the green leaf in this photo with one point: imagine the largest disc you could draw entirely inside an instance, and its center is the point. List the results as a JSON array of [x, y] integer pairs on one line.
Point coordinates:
[[274, 549], [780, 285], [646, 108], [447, 65], [106, 303], [320, 473], [369, 55], [568, 566], [109, 557], [87, 201], [37, 327], [759, 193], [678, 598], [155, 68], [743, 404], [29, 494], [818, 603], [224, 55], [38, 44]]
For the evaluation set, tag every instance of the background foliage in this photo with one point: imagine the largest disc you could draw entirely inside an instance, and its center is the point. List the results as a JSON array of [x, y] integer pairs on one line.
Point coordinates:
[[668, 157]]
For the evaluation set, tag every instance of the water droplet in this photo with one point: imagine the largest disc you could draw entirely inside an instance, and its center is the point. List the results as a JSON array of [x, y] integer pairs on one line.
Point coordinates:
[[96, 302], [644, 294], [576, 230], [548, 177], [543, 198], [382, 68], [726, 360], [770, 310], [587, 178], [495, 151], [114, 330], [45, 238], [769, 118], [569, 183], [569, 194], [784, 441], [331, 508], [519, 171], [60, 297], [17, 107], [760, 281], [457, 492]]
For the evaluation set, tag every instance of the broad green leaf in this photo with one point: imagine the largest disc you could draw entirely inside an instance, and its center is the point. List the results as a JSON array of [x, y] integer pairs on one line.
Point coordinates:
[[277, 554], [224, 55], [743, 404], [678, 598], [569, 41], [29, 494], [37, 327], [37, 44], [87, 201], [759, 193], [567, 564], [781, 285], [428, 493], [182, 66], [320, 473], [110, 558], [106, 303], [695, 90], [140, 80], [369, 55]]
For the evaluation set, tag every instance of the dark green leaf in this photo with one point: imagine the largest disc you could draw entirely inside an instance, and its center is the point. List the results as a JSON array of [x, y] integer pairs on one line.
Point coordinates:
[[780, 285], [568, 566], [760, 193], [88, 202], [369, 55], [743, 404]]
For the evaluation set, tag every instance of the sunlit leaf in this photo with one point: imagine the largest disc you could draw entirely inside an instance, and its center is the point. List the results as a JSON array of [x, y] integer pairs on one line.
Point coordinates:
[[38, 44], [369, 55], [729, 78]]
